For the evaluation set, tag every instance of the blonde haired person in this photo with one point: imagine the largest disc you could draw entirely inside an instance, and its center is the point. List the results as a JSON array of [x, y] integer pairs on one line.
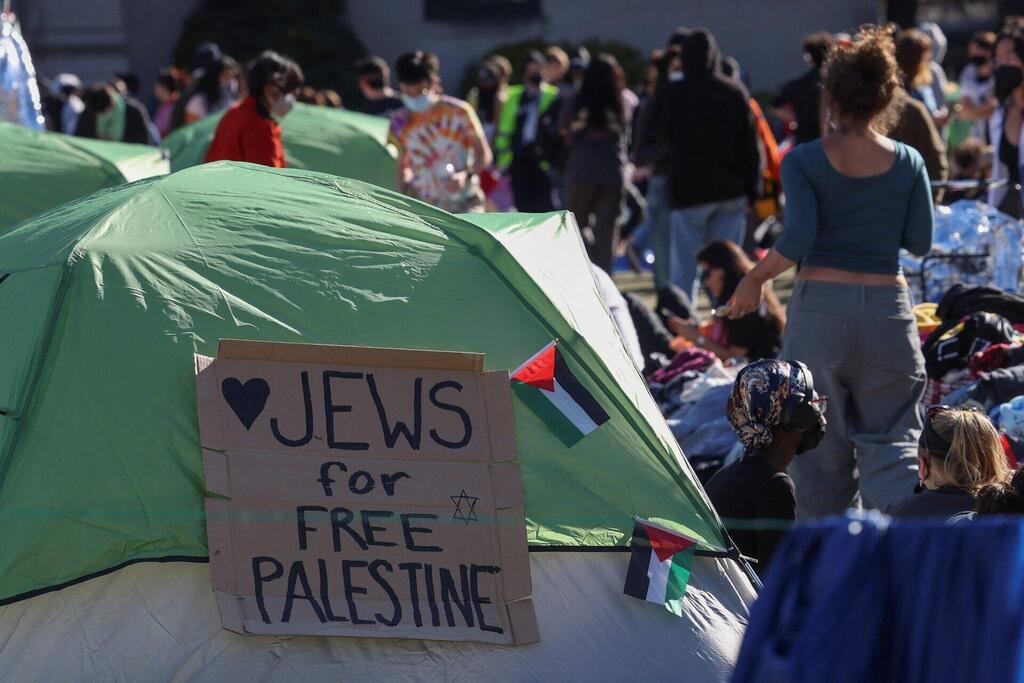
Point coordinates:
[[959, 454]]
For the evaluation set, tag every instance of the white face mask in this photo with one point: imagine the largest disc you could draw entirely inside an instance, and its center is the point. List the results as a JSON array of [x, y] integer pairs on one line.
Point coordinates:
[[284, 105], [675, 76], [418, 103]]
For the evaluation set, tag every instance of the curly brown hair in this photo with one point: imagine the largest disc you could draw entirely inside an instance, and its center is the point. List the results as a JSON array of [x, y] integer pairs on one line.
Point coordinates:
[[860, 78]]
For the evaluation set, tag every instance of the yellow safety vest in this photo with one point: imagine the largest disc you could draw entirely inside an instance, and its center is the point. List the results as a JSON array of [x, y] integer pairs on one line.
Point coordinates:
[[507, 121]]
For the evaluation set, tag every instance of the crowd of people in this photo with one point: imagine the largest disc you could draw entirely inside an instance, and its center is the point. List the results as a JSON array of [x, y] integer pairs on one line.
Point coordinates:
[[849, 158]]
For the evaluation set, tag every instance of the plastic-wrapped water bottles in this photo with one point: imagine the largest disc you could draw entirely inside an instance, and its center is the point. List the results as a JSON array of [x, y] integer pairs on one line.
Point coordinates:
[[974, 245], [1005, 247], [1011, 418]]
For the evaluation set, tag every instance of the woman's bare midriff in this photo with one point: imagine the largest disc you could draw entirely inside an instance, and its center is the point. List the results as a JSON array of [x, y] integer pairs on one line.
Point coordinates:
[[846, 277]]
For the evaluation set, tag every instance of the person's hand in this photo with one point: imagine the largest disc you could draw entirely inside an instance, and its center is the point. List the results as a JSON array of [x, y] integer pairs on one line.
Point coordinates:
[[682, 328], [407, 176], [456, 182], [747, 297]]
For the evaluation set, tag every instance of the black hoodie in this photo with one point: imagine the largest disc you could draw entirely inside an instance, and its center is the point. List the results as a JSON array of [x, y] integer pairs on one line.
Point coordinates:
[[705, 125]]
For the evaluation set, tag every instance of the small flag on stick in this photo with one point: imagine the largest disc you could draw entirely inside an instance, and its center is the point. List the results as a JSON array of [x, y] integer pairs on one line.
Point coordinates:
[[660, 563], [551, 390]]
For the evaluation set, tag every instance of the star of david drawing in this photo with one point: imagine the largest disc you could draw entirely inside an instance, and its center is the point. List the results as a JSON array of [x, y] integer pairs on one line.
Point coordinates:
[[466, 515]]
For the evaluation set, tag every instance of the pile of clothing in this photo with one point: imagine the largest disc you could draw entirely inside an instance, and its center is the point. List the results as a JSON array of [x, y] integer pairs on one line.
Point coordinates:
[[975, 358], [973, 245], [692, 392]]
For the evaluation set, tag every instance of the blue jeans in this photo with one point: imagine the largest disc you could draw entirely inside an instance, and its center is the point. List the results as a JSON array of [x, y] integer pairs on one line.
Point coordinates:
[[659, 229], [695, 226]]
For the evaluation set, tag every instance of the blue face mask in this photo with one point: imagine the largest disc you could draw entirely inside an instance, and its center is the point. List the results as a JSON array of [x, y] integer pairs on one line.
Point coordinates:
[[418, 103]]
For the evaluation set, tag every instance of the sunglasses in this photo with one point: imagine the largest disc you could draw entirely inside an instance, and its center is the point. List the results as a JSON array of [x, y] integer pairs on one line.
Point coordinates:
[[940, 449], [932, 411]]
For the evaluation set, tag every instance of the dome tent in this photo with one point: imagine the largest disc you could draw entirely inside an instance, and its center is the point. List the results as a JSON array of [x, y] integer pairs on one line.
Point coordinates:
[[105, 300], [343, 143], [41, 170]]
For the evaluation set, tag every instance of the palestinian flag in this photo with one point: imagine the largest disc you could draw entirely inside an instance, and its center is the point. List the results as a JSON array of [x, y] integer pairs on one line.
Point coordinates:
[[660, 563], [546, 384]]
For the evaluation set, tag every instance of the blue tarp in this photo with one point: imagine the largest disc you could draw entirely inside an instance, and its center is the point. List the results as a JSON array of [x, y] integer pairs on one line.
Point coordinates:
[[865, 599]]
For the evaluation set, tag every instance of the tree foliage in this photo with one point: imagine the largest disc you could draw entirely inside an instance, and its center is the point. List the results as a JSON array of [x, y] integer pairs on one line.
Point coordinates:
[[312, 32], [631, 59]]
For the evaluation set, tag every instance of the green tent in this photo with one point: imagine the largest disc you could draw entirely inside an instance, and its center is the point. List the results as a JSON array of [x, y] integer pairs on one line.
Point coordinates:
[[343, 143], [105, 300], [103, 303], [41, 170]]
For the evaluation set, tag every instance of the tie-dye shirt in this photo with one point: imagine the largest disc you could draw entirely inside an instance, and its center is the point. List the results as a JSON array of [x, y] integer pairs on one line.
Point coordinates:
[[436, 143]]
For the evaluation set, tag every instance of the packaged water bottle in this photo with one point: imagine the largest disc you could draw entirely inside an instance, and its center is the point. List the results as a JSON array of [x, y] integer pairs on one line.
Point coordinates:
[[1011, 417]]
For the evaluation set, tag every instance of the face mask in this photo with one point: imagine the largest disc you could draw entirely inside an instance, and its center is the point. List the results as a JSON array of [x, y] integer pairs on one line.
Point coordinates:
[[979, 60], [229, 90], [418, 103], [377, 83], [675, 76], [535, 79], [284, 105], [1008, 78]]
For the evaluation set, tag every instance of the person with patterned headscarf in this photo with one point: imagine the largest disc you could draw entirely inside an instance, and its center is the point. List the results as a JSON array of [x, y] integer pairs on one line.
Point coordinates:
[[776, 415]]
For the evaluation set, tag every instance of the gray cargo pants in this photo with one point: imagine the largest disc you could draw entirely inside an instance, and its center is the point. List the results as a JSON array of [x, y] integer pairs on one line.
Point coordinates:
[[861, 345]]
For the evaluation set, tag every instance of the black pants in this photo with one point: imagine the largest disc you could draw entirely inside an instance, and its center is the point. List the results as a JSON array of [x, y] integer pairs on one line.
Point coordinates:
[[604, 204], [531, 187]]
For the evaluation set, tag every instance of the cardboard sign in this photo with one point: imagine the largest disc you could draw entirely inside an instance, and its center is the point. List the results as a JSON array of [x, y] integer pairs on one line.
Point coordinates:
[[363, 492]]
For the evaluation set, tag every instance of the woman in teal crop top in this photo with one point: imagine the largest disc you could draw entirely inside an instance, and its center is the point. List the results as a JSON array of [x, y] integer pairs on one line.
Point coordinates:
[[855, 223], [853, 199]]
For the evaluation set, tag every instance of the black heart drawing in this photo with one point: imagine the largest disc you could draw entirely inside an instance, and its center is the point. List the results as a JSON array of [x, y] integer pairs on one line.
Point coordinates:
[[247, 400]]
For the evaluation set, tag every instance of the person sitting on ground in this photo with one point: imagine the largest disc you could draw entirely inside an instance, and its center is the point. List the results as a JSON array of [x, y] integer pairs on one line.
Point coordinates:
[[969, 163], [776, 415], [1002, 498], [378, 97], [250, 130], [756, 335], [959, 454]]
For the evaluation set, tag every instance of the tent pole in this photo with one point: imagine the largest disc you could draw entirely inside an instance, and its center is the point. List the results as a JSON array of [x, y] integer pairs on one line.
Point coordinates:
[[751, 574]]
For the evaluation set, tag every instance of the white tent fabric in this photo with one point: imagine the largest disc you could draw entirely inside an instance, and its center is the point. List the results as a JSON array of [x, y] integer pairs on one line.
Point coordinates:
[[159, 622]]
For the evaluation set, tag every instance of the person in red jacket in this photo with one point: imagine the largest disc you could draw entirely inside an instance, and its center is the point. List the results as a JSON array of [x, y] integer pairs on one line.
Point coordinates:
[[250, 130]]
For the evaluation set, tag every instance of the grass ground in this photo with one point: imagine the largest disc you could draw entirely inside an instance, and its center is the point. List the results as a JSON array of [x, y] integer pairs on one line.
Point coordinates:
[[643, 284]]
